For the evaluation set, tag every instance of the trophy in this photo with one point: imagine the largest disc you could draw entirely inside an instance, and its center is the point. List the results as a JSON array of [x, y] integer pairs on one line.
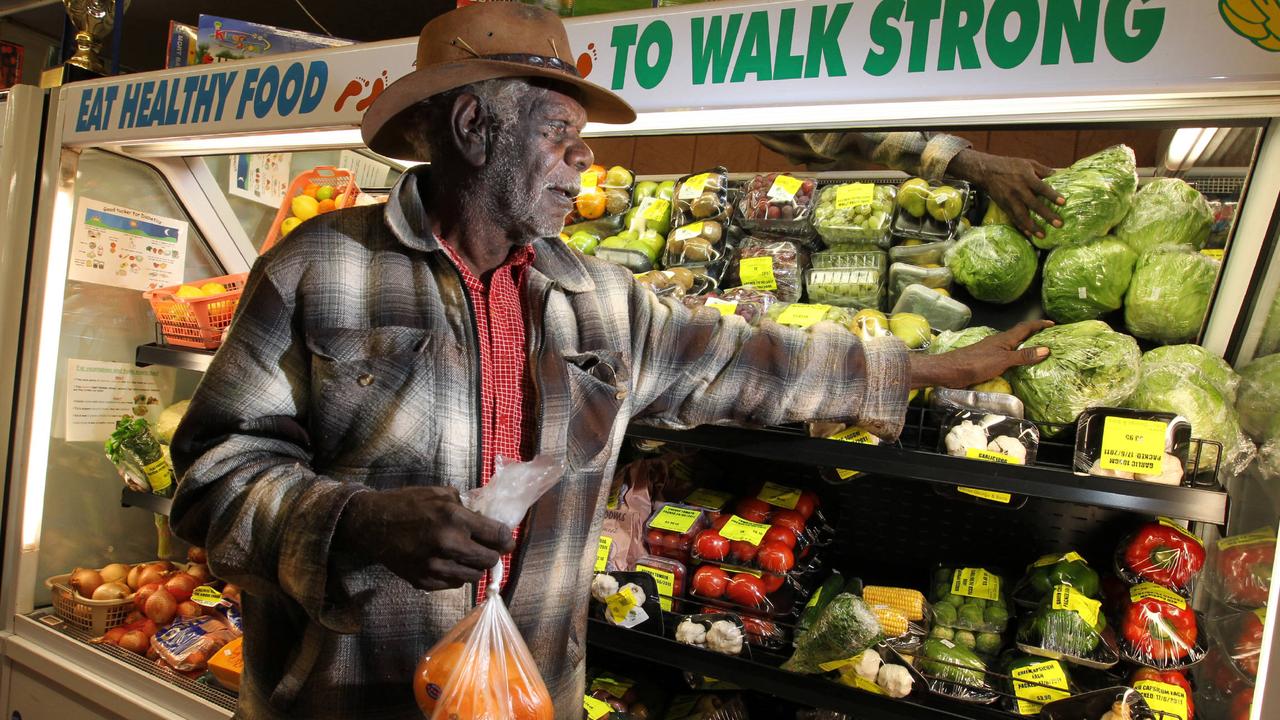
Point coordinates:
[[93, 21]]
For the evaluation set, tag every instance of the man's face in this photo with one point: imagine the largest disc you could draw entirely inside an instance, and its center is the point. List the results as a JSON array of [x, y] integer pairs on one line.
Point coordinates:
[[536, 165]]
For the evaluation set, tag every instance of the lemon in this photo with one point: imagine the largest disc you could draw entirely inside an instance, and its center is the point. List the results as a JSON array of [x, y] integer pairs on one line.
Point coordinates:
[[912, 242], [305, 207], [943, 292], [995, 385], [189, 291], [324, 193], [213, 288], [289, 224]]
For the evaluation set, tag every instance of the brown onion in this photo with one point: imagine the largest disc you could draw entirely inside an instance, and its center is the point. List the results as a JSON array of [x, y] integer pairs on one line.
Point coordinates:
[[135, 641], [188, 610], [161, 608], [132, 577], [197, 555], [200, 572], [231, 592], [112, 636], [150, 574], [144, 592], [84, 581], [180, 586], [115, 572], [112, 591]]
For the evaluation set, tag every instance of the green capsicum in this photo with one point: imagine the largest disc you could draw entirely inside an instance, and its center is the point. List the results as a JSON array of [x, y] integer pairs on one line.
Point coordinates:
[[1069, 569], [1065, 622]]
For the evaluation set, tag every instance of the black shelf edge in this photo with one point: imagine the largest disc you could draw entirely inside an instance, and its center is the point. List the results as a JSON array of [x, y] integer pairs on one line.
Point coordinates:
[[809, 690], [182, 358], [147, 501], [1194, 504]]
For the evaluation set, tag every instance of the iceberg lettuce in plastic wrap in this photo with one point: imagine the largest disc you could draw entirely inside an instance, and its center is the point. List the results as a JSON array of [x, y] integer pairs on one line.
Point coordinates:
[[1090, 364], [995, 263], [1169, 294], [949, 340], [1086, 281], [1098, 190], [1166, 211], [1215, 369], [1259, 399], [1183, 389]]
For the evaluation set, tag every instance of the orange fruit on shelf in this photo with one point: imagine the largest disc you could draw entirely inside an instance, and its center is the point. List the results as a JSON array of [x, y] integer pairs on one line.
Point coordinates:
[[325, 206], [311, 189], [591, 203]]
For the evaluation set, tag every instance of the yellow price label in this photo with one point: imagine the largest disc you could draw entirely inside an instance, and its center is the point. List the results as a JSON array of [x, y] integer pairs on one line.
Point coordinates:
[[1145, 590], [1164, 698], [666, 580], [1133, 445], [725, 307], [744, 530], [1046, 560], [596, 709], [1215, 253], [853, 435], [784, 188], [656, 209], [854, 195], [620, 604], [866, 685], [1261, 614], [758, 273], [1170, 523], [602, 552], [802, 315], [831, 665], [159, 475], [206, 595], [617, 687], [991, 495], [989, 456], [675, 519], [615, 498], [694, 186], [688, 232], [1263, 537], [1032, 696], [710, 499], [1066, 597], [975, 583], [779, 495]]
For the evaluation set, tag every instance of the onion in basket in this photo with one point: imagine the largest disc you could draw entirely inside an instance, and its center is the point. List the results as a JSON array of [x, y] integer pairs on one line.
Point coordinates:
[[85, 581]]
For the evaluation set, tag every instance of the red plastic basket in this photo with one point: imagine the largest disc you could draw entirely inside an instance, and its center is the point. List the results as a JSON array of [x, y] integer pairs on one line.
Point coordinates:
[[344, 187], [197, 322]]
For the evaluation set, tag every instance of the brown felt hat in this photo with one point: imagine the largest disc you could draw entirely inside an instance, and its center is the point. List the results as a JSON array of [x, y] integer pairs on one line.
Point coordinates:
[[478, 42]]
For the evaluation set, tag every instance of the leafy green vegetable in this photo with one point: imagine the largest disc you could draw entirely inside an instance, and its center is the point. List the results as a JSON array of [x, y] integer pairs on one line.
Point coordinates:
[[1215, 369], [1166, 211], [1185, 390], [845, 628], [942, 657], [1089, 364], [1169, 294], [949, 340], [1259, 402], [1098, 190], [995, 263], [1061, 631], [1086, 281]]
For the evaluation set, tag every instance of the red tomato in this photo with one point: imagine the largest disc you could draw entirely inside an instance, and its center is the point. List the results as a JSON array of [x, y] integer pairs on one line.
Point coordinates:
[[743, 551], [779, 534], [711, 545], [775, 558], [773, 582], [807, 503], [789, 519], [753, 509], [746, 590], [719, 522], [656, 539], [710, 581]]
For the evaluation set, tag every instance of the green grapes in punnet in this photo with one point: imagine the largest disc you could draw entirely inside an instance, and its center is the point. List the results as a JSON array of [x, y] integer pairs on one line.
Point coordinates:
[[1166, 211], [1089, 364], [1259, 401], [1215, 369], [1182, 389], [1098, 190], [1169, 294], [949, 340], [995, 263], [1086, 281]]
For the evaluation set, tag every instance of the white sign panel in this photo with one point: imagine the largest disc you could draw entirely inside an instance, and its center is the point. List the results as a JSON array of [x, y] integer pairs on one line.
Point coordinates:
[[369, 172], [261, 177], [100, 393], [123, 247], [742, 54]]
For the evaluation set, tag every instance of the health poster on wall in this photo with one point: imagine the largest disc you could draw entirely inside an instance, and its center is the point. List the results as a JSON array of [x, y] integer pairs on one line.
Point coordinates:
[[369, 172], [120, 246], [262, 177], [100, 392]]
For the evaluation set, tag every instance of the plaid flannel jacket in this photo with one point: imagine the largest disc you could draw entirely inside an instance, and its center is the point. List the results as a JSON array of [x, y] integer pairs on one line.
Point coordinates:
[[352, 367]]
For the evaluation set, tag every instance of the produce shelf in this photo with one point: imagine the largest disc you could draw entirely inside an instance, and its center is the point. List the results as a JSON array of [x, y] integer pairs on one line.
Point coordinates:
[[182, 358], [807, 690], [148, 501], [1197, 504]]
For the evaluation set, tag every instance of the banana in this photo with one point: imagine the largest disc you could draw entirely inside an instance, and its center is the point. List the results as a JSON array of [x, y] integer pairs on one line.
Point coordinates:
[[1247, 10]]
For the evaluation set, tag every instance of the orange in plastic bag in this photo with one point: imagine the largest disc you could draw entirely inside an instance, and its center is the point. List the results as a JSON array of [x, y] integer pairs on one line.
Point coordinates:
[[481, 669]]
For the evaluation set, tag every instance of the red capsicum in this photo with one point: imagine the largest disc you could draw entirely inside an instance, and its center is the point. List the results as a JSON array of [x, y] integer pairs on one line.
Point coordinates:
[[1248, 644], [1246, 572], [1159, 630], [1164, 555], [1168, 677]]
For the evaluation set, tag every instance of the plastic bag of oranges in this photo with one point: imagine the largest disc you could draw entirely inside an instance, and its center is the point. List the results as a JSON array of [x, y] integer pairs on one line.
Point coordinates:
[[481, 669]]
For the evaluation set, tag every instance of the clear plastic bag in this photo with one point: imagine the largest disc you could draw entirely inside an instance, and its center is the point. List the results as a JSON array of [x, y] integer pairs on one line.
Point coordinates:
[[854, 214], [954, 670], [778, 203], [846, 627], [748, 303], [1068, 625], [919, 252], [701, 196], [973, 600], [1099, 190], [1169, 294], [602, 193], [769, 264], [995, 263], [1163, 553], [1239, 636], [1087, 281], [481, 668], [943, 313], [1185, 390], [1166, 210], [901, 275], [806, 315], [930, 210], [1159, 629], [717, 632], [1240, 568]]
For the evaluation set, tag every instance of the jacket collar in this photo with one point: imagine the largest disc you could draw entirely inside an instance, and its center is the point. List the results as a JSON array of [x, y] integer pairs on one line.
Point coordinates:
[[406, 217]]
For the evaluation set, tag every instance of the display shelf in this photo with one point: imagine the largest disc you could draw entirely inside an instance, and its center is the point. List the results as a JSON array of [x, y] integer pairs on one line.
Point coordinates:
[[172, 356], [808, 690], [1198, 504], [149, 501]]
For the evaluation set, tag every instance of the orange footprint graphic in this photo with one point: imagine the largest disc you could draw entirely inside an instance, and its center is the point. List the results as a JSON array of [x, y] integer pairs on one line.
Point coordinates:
[[586, 61]]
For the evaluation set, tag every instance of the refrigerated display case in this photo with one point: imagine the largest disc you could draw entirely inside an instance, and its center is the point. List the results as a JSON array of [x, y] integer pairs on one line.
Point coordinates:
[[168, 158]]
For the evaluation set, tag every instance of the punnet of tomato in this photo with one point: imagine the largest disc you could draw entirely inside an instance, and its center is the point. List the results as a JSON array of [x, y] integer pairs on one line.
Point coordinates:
[[671, 529], [742, 590]]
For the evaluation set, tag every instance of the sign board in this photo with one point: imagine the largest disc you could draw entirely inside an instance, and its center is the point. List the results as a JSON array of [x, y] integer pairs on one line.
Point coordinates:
[[743, 54]]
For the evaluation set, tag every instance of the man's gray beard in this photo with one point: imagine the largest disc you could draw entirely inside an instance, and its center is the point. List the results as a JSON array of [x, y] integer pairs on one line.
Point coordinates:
[[506, 201]]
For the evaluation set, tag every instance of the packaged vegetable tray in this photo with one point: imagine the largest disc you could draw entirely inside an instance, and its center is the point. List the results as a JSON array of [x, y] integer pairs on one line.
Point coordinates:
[[1166, 692], [779, 204], [1159, 629], [718, 632], [670, 576], [949, 400], [1032, 682], [955, 671], [971, 603], [628, 600], [989, 437], [1238, 636], [904, 615], [636, 251], [1117, 703], [1069, 626], [611, 696], [921, 253], [881, 671], [701, 196], [748, 303], [701, 242], [1055, 569], [743, 590], [602, 193], [902, 275], [1161, 552], [943, 312], [770, 264], [1132, 444], [854, 214], [846, 627], [846, 288], [930, 210], [671, 528], [1240, 568], [806, 315]]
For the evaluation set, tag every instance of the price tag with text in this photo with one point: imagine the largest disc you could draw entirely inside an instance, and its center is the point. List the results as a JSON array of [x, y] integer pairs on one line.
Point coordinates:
[[744, 530], [724, 307], [975, 583], [602, 552], [758, 272], [675, 519], [1133, 445], [779, 495], [1032, 696], [694, 186], [802, 315], [991, 456], [1164, 698], [991, 495], [855, 195], [1066, 597], [853, 435], [784, 188]]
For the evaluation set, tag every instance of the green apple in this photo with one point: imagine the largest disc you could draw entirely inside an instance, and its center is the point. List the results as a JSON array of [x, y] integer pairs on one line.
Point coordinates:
[[913, 195], [653, 241], [944, 203], [643, 189], [911, 329], [585, 242], [618, 177], [666, 189], [870, 323]]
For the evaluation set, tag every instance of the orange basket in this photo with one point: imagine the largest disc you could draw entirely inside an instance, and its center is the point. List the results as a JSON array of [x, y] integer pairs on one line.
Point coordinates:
[[93, 616], [197, 322], [344, 187]]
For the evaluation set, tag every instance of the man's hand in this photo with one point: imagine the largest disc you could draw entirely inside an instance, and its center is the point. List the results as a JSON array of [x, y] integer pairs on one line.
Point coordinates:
[[981, 361], [424, 535], [1015, 184]]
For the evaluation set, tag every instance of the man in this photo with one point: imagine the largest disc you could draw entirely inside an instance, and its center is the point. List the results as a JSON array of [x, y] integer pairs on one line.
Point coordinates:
[[383, 356]]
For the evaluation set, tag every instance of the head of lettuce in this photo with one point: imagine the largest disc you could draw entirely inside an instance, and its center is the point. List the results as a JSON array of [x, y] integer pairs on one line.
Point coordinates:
[[1169, 294], [1098, 189], [1166, 211]]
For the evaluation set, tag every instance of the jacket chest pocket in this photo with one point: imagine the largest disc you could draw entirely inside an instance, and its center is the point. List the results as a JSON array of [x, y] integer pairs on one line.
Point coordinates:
[[599, 382], [370, 396]]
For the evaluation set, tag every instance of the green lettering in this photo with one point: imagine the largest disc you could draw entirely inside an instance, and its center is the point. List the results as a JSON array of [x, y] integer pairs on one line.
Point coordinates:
[[1079, 26], [714, 49], [624, 36], [824, 40], [960, 25], [921, 14], [886, 36], [754, 54], [1006, 53], [1147, 25], [787, 66], [656, 33]]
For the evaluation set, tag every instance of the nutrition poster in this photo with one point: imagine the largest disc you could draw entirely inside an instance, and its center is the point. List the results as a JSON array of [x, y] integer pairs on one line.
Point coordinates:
[[369, 172], [263, 177], [123, 247], [99, 393]]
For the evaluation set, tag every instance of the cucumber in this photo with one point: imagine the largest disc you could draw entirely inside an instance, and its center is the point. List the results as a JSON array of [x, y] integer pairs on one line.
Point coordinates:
[[818, 602]]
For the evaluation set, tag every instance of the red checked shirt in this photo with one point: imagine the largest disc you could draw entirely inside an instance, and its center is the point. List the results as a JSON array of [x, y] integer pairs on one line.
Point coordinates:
[[504, 375]]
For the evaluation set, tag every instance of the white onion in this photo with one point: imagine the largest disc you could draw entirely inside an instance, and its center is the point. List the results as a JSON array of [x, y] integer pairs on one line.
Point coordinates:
[[111, 591], [115, 572]]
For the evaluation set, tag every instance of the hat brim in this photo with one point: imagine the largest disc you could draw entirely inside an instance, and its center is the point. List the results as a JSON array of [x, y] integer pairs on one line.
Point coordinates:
[[384, 124]]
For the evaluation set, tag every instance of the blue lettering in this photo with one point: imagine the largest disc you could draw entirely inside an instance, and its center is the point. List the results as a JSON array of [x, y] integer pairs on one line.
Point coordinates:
[[290, 89], [171, 117], [317, 81], [189, 87], [224, 81], [246, 91], [106, 114], [160, 108], [204, 99], [129, 106], [268, 85], [83, 122], [144, 103]]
